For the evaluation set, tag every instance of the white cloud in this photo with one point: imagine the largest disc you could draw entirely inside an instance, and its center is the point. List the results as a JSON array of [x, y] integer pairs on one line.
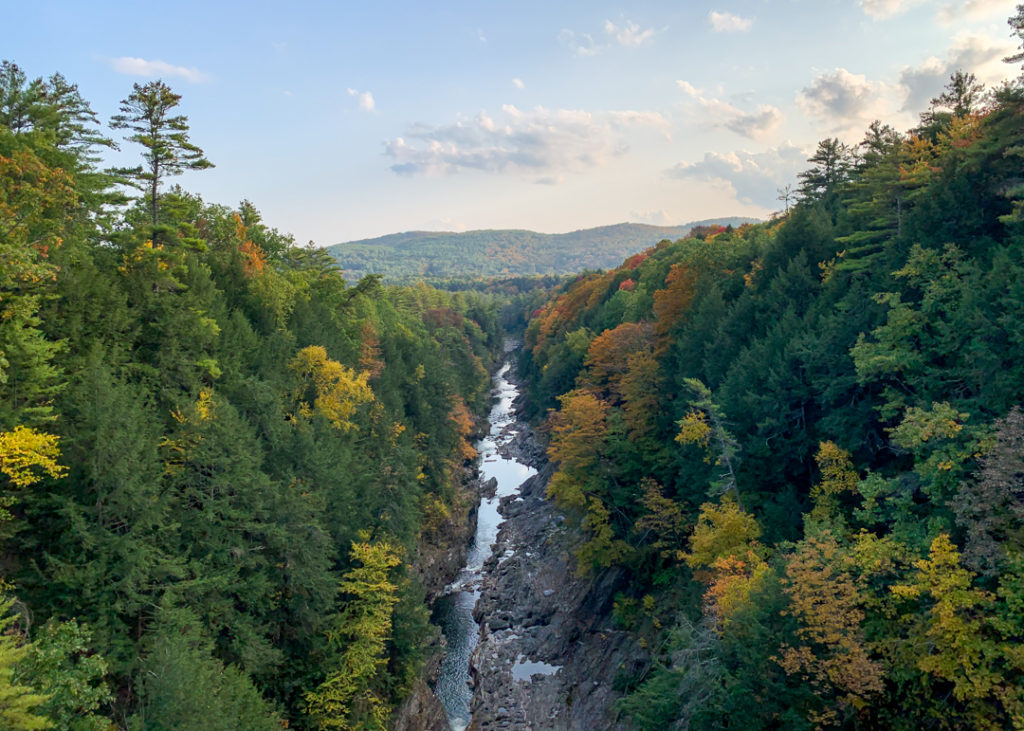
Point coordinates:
[[758, 124], [952, 12], [979, 55], [141, 67], [752, 177], [630, 34], [542, 141], [655, 218], [518, 83], [881, 9], [845, 98], [687, 87], [366, 101], [728, 22], [754, 125]]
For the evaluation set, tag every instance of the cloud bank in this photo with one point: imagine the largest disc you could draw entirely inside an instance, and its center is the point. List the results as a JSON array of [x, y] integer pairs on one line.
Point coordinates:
[[753, 177], [546, 142]]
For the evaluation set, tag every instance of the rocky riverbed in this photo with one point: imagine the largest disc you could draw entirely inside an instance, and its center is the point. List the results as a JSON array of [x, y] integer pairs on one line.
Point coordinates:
[[548, 655]]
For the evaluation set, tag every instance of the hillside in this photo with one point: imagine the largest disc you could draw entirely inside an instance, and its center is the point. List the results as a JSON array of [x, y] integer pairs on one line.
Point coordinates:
[[445, 254]]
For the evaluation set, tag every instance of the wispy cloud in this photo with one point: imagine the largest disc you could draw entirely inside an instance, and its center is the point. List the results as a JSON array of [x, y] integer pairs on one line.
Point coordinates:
[[581, 44], [751, 177], [365, 98], [756, 125], [542, 141], [141, 67], [629, 34], [882, 9], [518, 83], [953, 12], [729, 22]]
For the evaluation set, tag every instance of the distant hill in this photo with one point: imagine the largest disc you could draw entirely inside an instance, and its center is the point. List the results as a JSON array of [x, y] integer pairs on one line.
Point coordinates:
[[492, 253]]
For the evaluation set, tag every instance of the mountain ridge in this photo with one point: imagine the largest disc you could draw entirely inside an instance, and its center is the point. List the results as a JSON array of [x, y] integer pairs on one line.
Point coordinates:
[[504, 252]]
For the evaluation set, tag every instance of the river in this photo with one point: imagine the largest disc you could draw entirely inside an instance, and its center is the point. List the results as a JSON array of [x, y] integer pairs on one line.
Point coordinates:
[[454, 612]]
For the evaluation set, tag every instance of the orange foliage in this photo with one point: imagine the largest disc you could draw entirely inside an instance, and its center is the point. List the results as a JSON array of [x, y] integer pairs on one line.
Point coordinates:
[[636, 260], [253, 258], [608, 355], [557, 317], [442, 317], [370, 357], [462, 419], [670, 303], [826, 599], [639, 388], [732, 581], [578, 431]]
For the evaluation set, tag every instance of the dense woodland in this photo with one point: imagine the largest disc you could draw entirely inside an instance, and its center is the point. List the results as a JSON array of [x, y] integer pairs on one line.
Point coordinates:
[[438, 256], [218, 461], [800, 443], [804, 440]]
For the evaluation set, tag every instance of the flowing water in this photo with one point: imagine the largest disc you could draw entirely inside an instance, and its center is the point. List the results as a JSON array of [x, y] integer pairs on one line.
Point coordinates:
[[454, 612]]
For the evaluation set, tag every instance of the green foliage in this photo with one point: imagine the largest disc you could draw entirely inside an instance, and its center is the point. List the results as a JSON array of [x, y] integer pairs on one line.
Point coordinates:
[[440, 257], [198, 418], [20, 704], [863, 354], [63, 665], [146, 114], [181, 685]]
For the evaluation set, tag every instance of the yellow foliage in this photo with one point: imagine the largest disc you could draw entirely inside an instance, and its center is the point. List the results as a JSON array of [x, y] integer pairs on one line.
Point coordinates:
[[26, 455], [957, 650], [339, 390], [347, 699], [733, 580], [578, 431], [722, 530], [566, 492], [694, 429], [828, 602]]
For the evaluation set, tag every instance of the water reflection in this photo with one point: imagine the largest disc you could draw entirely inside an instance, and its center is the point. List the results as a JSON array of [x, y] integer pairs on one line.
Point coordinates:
[[454, 612]]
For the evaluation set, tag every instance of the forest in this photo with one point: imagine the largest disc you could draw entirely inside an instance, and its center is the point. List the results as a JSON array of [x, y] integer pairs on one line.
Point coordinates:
[[804, 441], [224, 462], [437, 257], [219, 462]]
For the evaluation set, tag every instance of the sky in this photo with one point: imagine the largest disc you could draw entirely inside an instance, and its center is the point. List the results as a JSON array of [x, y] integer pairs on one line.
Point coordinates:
[[346, 120]]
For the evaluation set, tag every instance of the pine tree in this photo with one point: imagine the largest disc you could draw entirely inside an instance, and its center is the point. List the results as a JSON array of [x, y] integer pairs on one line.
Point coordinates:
[[146, 114]]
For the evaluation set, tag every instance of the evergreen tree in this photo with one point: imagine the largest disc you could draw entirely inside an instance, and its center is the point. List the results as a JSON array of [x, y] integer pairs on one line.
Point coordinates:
[[146, 113]]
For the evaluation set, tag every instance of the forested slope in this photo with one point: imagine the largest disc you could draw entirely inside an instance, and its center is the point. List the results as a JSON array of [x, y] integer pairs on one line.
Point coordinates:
[[217, 461], [804, 440], [446, 255]]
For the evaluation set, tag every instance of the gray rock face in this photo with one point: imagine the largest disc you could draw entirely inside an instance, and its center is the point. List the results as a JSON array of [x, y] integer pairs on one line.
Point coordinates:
[[548, 655]]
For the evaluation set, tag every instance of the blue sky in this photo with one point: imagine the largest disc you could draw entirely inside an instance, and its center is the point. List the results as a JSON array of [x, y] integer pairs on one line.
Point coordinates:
[[346, 120]]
